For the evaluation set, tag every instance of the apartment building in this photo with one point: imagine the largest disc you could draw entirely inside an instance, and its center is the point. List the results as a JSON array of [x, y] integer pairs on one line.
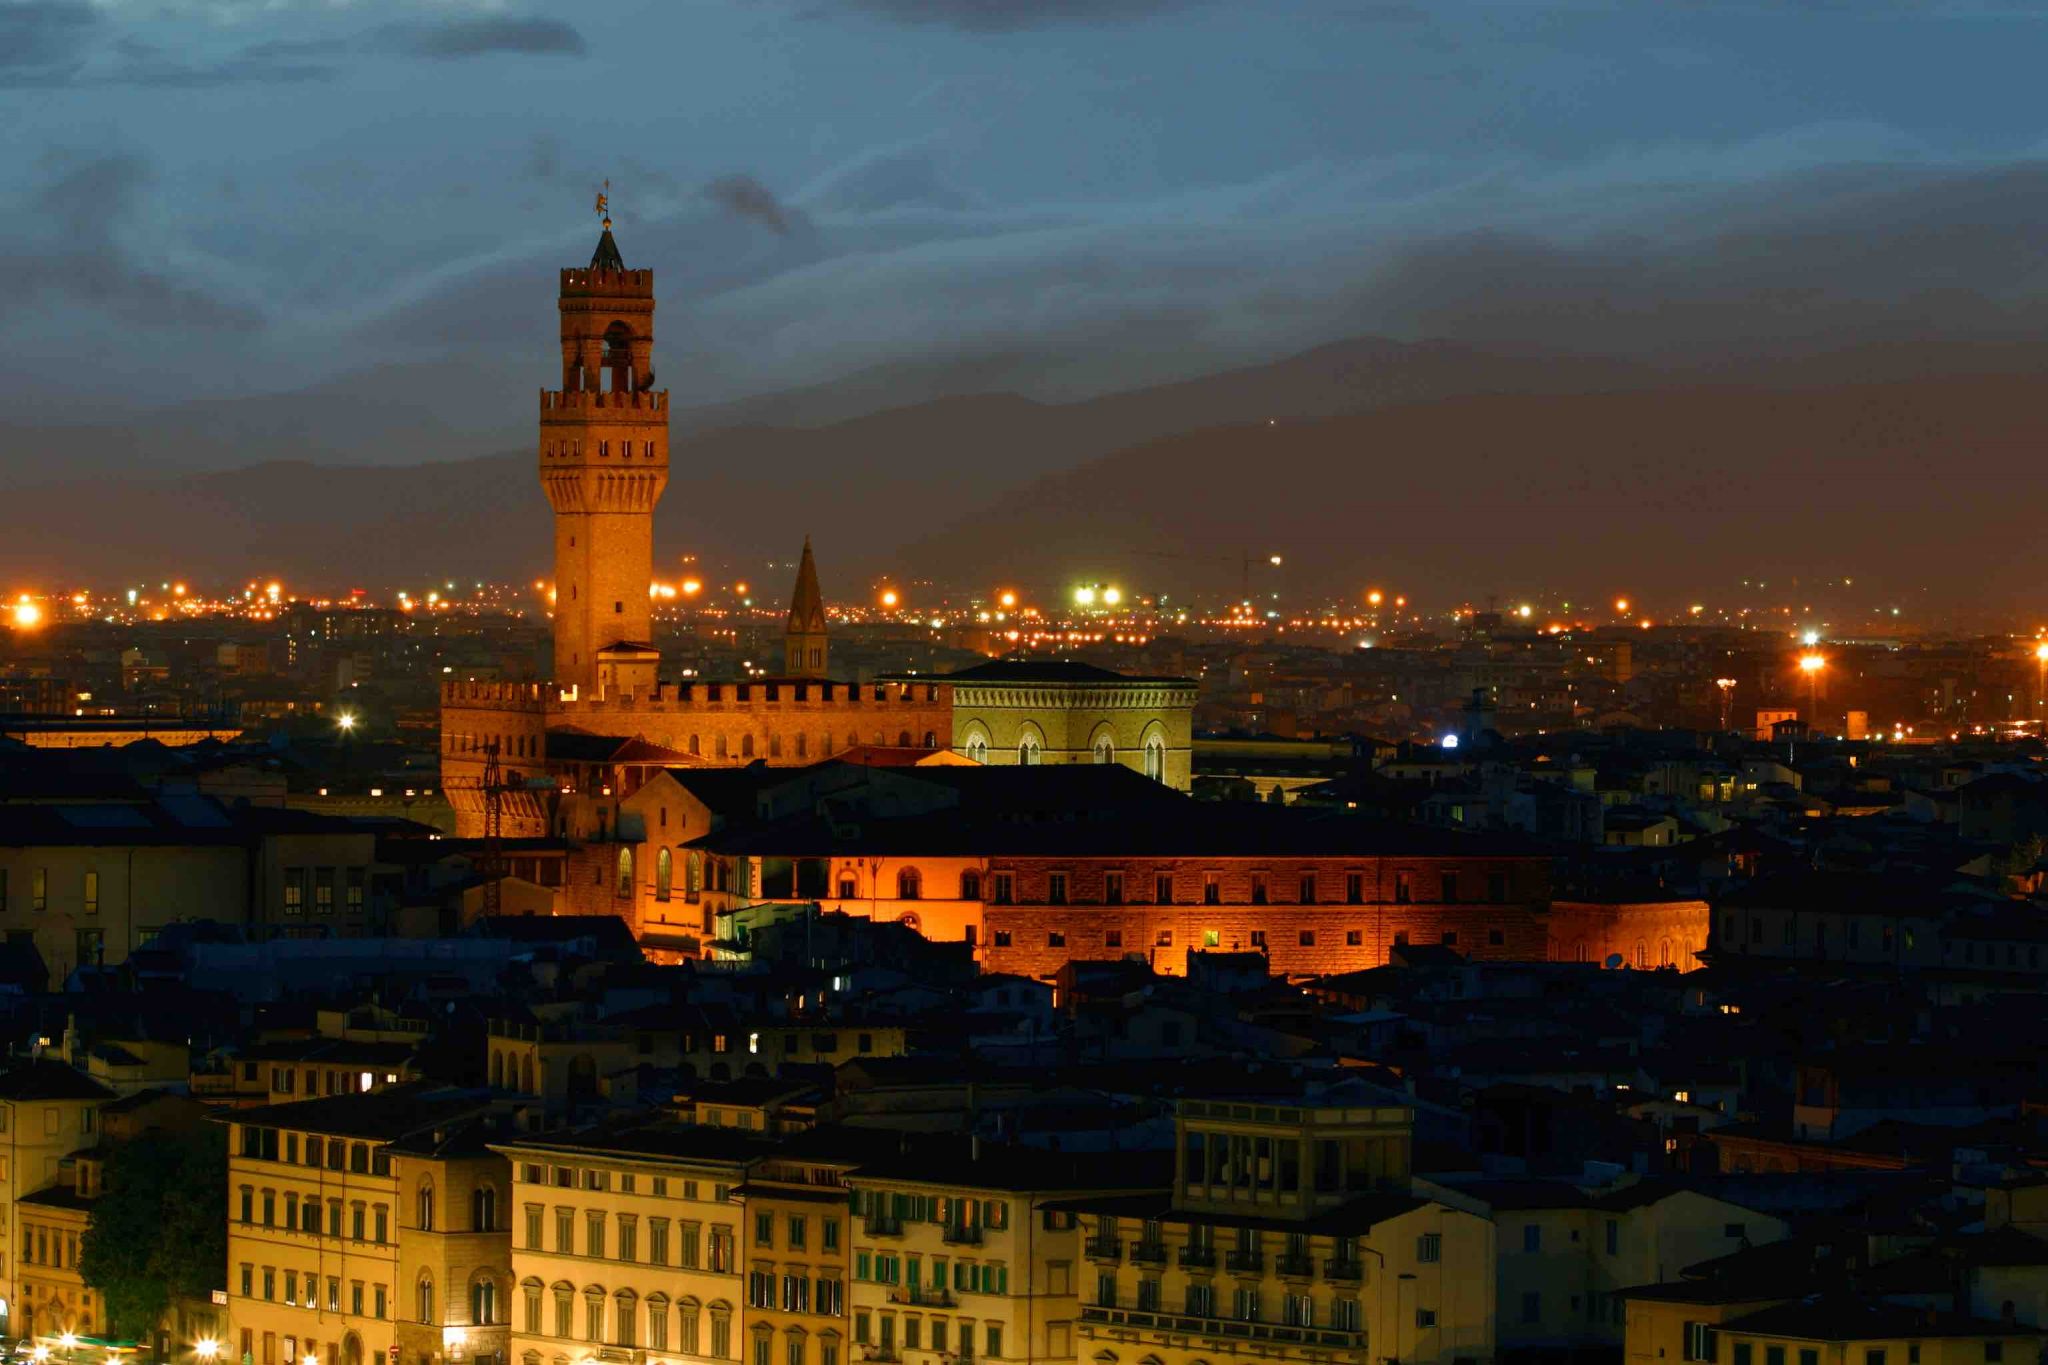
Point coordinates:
[[314, 1203], [47, 1112], [1289, 1234], [454, 1246], [964, 1253], [796, 1252], [625, 1243]]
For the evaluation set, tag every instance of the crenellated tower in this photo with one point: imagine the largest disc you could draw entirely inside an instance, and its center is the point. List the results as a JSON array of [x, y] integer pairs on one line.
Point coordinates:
[[604, 464], [804, 644]]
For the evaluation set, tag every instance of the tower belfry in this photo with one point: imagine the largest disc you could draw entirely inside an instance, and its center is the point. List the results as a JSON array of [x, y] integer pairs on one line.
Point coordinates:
[[803, 636], [603, 465]]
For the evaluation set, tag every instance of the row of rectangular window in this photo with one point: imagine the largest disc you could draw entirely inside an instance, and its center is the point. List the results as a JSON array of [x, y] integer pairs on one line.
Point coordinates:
[[571, 1178], [1003, 888], [1213, 938], [962, 1345], [1247, 1303], [621, 1326], [323, 880], [968, 1277], [794, 1293], [304, 1216], [269, 1144], [691, 1242], [302, 1291]]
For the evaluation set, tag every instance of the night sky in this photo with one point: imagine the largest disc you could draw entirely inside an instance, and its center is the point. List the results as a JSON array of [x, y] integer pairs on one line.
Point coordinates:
[[235, 196]]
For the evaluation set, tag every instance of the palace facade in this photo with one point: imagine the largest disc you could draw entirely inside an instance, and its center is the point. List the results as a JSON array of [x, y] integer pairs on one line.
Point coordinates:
[[568, 746]]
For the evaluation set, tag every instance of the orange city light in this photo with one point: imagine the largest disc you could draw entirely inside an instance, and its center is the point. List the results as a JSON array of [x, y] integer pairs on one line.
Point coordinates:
[[1811, 663], [26, 614], [1375, 597], [691, 587], [1009, 599], [889, 598], [1621, 606], [2041, 651]]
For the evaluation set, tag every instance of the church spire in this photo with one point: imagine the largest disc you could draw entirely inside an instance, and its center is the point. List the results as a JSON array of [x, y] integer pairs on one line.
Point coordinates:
[[607, 256], [803, 636]]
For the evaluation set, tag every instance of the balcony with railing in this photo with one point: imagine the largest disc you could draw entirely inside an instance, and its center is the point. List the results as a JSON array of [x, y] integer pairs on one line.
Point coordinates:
[[1295, 1265], [922, 1295], [961, 1234], [1348, 1270], [1248, 1262], [1198, 1258], [1100, 1248], [1223, 1328], [881, 1225], [1148, 1253]]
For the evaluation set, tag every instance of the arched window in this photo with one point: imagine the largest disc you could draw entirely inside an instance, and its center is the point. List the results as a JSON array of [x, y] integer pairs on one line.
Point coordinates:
[[1029, 752], [483, 1209], [424, 1308], [977, 747], [746, 746], [664, 872], [1105, 750], [426, 1205], [694, 875], [497, 1071], [696, 745], [1664, 952], [909, 884], [903, 739], [1642, 954], [657, 1322], [483, 1302], [565, 1309], [625, 1317], [526, 1076], [775, 746], [688, 1323], [529, 1290], [931, 739], [593, 1314], [625, 873], [970, 886], [1155, 758], [722, 746], [803, 746]]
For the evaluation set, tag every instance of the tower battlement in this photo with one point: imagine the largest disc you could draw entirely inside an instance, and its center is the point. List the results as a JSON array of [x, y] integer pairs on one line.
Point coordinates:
[[610, 284], [650, 402]]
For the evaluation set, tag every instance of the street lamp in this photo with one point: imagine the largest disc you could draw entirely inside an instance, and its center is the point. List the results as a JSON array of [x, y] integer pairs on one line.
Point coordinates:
[[206, 1348], [2040, 674], [347, 722]]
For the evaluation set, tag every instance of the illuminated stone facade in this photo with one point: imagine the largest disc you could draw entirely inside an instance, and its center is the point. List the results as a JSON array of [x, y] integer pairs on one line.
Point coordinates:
[[604, 462], [1641, 933]]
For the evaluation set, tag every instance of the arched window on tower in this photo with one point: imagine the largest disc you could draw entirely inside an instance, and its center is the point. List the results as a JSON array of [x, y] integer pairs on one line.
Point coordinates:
[[1105, 750], [1030, 752], [1155, 758], [664, 873], [625, 889]]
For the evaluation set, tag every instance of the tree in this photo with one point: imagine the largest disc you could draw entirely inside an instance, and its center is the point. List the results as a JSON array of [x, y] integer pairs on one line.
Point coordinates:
[[159, 1231]]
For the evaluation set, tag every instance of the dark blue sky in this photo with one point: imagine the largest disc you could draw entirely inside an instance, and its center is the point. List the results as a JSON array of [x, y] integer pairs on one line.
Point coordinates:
[[235, 196]]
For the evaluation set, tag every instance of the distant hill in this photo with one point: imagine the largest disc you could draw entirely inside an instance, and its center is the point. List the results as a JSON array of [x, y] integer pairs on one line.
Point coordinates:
[[1933, 483], [740, 493]]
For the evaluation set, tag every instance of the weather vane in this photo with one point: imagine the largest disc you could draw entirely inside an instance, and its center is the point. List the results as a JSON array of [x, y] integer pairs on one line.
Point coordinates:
[[604, 205]]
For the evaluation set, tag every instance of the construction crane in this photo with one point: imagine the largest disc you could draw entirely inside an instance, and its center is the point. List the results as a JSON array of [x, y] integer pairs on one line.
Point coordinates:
[[1242, 560], [492, 864]]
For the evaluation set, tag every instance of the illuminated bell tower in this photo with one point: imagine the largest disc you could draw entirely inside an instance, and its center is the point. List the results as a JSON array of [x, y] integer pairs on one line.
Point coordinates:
[[604, 464]]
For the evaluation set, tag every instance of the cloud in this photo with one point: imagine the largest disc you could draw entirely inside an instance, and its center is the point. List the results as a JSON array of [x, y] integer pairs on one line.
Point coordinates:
[[81, 218], [745, 197], [1003, 16], [43, 33], [490, 35]]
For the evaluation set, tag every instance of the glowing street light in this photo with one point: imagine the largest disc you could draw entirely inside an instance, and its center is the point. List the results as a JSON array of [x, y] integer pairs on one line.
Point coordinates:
[[346, 721], [889, 598], [26, 614], [1621, 606], [206, 1348], [1007, 598], [1375, 597], [1112, 596], [1084, 597], [2040, 674]]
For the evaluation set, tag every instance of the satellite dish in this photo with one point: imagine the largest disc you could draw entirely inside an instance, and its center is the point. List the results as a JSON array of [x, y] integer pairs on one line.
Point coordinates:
[[1615, 962]]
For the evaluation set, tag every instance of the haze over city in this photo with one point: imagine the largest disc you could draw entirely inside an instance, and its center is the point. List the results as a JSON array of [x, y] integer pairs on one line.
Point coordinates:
[[926, 265]]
